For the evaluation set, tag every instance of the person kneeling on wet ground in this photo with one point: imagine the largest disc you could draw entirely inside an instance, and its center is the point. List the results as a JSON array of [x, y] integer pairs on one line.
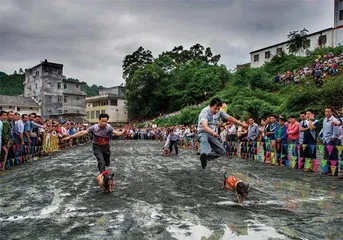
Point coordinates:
[[237, 186], [172, 140], [208, 137]]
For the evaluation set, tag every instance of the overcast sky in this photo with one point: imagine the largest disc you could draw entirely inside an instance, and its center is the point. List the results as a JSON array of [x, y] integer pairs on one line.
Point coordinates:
[[91, 37]]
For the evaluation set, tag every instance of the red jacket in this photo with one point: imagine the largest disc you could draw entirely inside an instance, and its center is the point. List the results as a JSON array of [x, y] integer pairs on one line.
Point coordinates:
[[293, 131]]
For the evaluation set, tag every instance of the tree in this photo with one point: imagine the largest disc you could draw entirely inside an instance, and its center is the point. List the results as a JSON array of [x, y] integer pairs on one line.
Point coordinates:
[[135, 61], [175, 79], [15, 72], [298, 41], [21, 71]]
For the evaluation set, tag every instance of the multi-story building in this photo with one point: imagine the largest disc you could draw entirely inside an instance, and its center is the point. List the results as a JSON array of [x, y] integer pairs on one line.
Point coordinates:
[[330, 37], [110, 101], [338, 22], [22, 105], [59, 97]]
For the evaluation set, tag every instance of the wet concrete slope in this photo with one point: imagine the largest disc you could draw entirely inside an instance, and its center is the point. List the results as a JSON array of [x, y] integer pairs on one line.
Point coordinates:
[[165, 198]]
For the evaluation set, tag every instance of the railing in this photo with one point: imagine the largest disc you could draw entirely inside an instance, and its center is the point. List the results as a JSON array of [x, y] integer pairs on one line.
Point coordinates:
[[14, 155]]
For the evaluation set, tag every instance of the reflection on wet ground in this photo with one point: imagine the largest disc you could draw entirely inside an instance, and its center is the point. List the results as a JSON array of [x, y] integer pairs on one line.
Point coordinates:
[[165, 198]]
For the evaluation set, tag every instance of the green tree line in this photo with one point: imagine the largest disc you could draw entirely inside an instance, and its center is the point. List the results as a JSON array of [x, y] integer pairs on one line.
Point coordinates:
[[181, 78]]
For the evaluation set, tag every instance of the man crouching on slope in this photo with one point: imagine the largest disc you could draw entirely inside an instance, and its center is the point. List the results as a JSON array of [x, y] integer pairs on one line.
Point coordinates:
[[206, 130]]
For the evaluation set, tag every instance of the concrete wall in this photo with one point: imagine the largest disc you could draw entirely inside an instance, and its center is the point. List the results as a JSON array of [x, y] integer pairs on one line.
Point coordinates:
[[52, 104], [94, 118], [22, 110], [118, 114], [74, 104], [33, 83], [120, 91], [74, 88], [337, 7]]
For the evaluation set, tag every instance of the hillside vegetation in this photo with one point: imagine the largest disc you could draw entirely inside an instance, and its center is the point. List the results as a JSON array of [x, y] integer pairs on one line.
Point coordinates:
[[252, 91]]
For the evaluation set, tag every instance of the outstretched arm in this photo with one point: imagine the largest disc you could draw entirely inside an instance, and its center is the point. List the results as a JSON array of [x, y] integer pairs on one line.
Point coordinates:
[[118, 133], [234, 120], [76, 135]]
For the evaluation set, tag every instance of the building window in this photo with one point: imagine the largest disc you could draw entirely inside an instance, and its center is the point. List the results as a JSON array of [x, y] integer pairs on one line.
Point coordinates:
[[59, 72], [95, 104], [31, 108], [77, 85], [9, 106], [0, 108], [279, 51], [77, 98], [92, 114], [267, 55], [59, 111], [65, 99], [77, 111], [18, 109], [36, 85], [59, 99], [341, 14], [59, 85], [65, 111], [103, 111], [322, 40], [256, 59], [114, 102], [65, 86], [87, 114], [97, 114]]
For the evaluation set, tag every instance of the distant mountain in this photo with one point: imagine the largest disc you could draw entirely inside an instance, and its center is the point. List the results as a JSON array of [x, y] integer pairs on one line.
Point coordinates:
[[2, 74]]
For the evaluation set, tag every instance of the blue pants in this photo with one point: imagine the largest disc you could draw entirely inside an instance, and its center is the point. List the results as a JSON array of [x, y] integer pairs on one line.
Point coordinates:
[[210, 145], [19, 149], [33, 144]]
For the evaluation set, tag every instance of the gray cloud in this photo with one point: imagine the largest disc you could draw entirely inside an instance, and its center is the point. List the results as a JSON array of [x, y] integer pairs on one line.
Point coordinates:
[[91, 38]]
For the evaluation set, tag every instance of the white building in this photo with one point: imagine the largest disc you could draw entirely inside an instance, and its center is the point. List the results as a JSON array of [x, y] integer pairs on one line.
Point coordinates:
[[110, 101], [330, 37], [22, 105], [338, 22]]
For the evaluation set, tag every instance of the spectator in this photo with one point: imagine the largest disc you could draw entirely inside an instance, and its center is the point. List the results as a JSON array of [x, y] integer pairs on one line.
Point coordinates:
[[330, 140], [281, 141]]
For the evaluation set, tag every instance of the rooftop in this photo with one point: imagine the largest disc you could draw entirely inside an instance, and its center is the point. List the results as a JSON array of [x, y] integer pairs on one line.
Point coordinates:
[[17, 101], [104, 97], [46, 63]]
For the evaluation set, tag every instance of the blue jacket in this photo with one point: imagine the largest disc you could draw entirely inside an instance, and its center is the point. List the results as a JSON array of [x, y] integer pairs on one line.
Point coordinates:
[[283, 133]]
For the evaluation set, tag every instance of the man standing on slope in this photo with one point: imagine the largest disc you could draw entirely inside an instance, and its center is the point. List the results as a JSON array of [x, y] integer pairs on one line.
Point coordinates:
[[206, 130]]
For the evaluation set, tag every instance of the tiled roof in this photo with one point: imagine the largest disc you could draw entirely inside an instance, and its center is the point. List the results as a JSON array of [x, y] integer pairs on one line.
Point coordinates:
[[17, 101]]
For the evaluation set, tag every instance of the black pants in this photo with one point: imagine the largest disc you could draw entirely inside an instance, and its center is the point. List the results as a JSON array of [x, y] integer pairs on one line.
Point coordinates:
[[333, 156], [103, 155], [171, 144]]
